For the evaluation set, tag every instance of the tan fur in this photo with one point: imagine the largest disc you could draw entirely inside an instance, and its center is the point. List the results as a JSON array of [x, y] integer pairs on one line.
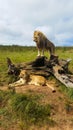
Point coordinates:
[[32, 79], [37, 80], [25, 78], [43, 43]]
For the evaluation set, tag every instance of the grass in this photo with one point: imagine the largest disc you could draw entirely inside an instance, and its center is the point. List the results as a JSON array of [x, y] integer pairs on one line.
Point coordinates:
[[68, 92], [27, 109], [24, 109], [19, 54]]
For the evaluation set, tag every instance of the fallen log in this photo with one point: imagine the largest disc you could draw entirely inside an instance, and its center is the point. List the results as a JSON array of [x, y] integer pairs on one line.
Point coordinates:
[[45, 67], [66, 79]]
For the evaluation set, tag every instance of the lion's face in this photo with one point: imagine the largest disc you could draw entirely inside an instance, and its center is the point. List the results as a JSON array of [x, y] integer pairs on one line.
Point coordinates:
[[36, 36], [22, 73]]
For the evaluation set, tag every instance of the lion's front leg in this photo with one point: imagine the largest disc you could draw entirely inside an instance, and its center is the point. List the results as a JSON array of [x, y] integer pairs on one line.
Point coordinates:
[[39, 53], [20, 82]]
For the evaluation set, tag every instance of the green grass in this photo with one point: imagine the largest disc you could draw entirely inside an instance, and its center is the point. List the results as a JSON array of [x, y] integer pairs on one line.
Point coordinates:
[[67, 91], [26, 109], [19, 54]]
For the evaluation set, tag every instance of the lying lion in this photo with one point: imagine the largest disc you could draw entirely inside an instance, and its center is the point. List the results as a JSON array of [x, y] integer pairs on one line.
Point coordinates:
[[31, 79]]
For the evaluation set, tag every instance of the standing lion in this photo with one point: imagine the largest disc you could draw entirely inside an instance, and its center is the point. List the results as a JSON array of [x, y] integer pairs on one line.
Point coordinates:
[[43, 43]]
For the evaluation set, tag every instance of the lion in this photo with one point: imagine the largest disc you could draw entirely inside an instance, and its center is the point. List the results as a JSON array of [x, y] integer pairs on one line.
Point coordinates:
[[31, 79], [43, 43]]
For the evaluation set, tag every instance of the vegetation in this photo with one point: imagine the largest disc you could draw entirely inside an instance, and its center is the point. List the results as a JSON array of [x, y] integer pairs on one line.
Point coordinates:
[[25, 109]]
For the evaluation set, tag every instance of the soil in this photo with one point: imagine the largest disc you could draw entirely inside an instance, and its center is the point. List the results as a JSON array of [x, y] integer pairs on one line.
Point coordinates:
[[58, 100]]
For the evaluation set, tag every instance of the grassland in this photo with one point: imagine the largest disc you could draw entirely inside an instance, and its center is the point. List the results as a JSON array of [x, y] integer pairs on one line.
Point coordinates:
[[25, 54], [33, 110]]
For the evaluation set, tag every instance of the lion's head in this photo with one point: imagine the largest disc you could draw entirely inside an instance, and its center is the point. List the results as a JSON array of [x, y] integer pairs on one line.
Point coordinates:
[[38, 36]]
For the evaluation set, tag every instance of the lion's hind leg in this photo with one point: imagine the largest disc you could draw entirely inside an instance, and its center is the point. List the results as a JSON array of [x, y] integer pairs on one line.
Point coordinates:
[[51, 87]]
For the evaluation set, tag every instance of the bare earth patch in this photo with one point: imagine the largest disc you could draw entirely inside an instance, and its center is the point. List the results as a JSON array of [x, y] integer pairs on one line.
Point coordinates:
[[60, 114]]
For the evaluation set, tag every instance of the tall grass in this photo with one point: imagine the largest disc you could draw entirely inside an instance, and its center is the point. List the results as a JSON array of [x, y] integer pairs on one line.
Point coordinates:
[[29, 109], [24, 109]]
